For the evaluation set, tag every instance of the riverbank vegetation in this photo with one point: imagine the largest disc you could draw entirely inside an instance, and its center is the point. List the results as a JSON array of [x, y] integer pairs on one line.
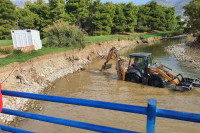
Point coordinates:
[[92, 16], [192, 10], [62, 34], [76, 23], [22, 57]]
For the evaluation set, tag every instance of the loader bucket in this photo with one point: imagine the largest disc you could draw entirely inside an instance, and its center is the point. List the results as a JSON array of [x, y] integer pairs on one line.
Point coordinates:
[[183, 88], [186, 84], [106, 66]]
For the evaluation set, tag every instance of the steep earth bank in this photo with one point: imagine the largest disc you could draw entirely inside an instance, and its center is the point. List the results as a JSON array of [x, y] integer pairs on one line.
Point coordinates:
[[37, 74]]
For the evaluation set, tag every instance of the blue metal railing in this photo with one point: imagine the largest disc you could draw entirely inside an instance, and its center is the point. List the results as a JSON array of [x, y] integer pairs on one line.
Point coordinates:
[[66, 122], [151, 111]]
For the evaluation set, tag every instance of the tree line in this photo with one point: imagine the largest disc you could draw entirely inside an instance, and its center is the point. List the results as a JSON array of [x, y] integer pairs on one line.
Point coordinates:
[[92, 16], [192, 10]]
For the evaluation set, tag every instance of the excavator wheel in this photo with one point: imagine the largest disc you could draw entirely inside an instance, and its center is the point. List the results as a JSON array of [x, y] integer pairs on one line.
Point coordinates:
[[132, 77], [157, 81]]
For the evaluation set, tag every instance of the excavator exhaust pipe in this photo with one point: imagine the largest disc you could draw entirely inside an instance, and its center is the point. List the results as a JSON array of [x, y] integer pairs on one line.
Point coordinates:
[[106, 66]]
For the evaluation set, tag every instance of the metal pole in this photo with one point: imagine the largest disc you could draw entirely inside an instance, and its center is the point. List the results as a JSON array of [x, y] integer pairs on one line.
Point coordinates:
[[151, 116]]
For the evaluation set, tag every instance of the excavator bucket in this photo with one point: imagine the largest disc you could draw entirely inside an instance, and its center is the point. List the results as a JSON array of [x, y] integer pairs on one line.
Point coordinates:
[[106, 66], [187, 84]]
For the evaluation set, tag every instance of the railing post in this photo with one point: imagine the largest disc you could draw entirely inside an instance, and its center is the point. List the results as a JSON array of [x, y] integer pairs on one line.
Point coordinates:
[[151, 116]]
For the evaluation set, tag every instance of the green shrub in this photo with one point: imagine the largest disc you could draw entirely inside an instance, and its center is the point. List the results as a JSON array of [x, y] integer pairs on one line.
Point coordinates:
[[132, 29], [100, 33], [6, 51], [162, 29], [17, 51], [143, 29], [62, 34]]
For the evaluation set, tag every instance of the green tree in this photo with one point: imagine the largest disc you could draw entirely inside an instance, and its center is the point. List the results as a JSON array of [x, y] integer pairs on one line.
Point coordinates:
[[142, 21], [130, 12], [78, 11], [95, 17], [119, 19], [192, 10], [57, 10], [27, 19], [42, 10], [101, 17], [107, 14], [170, 18], [180, 24], [8, 18], [178, 18], [156, 17]]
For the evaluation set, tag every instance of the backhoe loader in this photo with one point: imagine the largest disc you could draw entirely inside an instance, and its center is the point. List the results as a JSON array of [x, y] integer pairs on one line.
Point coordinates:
[[142, 70]]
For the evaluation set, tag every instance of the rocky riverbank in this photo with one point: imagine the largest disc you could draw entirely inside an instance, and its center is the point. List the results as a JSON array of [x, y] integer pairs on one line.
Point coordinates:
[[187, 54], [35, 75]]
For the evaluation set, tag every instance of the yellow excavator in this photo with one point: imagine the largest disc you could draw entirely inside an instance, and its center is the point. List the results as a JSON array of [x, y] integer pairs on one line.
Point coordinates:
[[142, 70]]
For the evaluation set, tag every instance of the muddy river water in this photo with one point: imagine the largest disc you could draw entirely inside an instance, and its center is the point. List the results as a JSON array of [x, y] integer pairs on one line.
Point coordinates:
[[104, 86]]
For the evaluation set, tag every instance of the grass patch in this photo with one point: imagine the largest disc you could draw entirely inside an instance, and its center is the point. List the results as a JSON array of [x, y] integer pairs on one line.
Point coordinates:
[[5, 43], [26, 56], [98, 39], [22, 57]]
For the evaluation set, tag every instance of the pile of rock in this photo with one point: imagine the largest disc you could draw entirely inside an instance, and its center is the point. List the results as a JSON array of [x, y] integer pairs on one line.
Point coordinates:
[[179, 51]]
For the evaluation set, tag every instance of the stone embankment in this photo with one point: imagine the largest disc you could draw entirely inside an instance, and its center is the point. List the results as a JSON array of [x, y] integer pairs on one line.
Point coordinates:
[[38, 73]]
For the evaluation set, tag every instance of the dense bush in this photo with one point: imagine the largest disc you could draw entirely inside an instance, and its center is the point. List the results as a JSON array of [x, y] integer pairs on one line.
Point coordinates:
[[62, 34], [143, 29], [17, 51], [5, 50], [99, 33], [162, 28]]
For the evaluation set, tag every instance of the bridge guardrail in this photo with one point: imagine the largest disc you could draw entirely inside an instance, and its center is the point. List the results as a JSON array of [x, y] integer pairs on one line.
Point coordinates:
[[151, 111]]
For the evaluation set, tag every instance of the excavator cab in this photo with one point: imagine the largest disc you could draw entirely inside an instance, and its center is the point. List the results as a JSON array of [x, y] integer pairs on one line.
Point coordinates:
[[138, 67], [140, 61]]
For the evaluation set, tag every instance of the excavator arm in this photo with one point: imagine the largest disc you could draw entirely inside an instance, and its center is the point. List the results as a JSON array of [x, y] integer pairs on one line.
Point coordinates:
[[113, 55]]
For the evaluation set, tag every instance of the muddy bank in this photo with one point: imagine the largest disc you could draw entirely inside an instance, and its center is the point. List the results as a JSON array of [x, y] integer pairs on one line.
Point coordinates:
[[38, 73], [186, 54]]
